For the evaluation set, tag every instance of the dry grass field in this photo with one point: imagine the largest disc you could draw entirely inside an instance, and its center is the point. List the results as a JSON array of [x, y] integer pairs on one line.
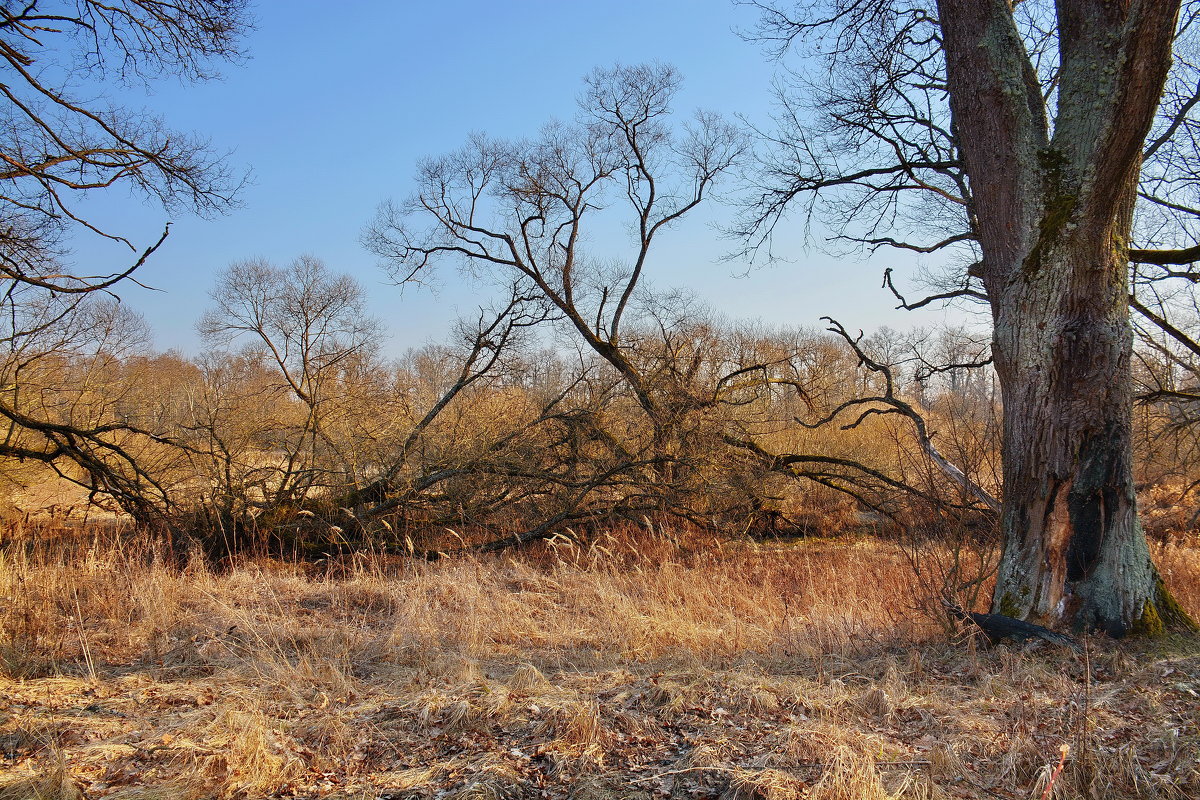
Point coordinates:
[[631, 668]]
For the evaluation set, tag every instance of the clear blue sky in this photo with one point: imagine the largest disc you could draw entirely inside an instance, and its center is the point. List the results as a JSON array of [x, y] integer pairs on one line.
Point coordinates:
[[337, 102]]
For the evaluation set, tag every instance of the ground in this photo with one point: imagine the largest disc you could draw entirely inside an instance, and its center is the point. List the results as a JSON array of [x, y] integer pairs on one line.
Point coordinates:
[[634, 668]]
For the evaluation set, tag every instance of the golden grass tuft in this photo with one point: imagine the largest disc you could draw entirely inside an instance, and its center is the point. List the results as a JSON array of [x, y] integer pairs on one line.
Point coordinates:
[[54, 783]]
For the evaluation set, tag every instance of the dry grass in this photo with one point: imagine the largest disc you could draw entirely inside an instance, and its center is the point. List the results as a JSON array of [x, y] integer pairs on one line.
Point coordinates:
[[630, 669]]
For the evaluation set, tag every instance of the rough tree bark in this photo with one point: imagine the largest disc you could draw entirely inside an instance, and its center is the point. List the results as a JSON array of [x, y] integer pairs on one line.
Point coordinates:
[[1052, 209]]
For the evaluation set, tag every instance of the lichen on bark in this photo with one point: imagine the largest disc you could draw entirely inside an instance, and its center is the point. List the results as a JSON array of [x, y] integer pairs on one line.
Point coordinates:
[[1008, 606], [1057, 210]]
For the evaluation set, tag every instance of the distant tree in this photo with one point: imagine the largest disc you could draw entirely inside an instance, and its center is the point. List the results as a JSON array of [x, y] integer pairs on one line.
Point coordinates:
[[310, 324], [1014, 133]]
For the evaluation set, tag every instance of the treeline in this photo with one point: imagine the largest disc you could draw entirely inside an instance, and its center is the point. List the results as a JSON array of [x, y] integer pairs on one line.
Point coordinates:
[[292, 433], [292, 430]]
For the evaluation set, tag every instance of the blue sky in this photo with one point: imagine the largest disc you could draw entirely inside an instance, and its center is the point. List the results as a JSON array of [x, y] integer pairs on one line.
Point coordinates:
[[336, 104]]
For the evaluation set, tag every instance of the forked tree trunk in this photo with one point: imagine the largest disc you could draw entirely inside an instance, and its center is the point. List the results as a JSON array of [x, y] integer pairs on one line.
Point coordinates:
[[1052, 208]]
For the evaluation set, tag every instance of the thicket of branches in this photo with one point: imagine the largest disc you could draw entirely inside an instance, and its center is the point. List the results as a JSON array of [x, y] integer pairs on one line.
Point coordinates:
[[292, 433], [297, 434]]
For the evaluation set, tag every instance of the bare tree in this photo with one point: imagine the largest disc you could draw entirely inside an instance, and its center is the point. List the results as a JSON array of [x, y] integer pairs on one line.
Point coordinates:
[[58, 145], [1018, 131], [61, 392], [522, 211], [310, 324]]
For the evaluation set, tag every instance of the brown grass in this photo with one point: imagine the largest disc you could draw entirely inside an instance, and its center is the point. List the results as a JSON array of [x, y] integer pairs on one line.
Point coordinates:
[[631, 668]]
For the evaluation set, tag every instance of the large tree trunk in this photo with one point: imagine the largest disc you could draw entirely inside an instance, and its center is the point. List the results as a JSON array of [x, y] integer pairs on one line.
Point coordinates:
[[1074, 550], [1052, 208]]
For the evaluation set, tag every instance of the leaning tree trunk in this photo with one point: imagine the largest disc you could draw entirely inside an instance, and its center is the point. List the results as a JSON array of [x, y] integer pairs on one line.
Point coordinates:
[[1052, 211]]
